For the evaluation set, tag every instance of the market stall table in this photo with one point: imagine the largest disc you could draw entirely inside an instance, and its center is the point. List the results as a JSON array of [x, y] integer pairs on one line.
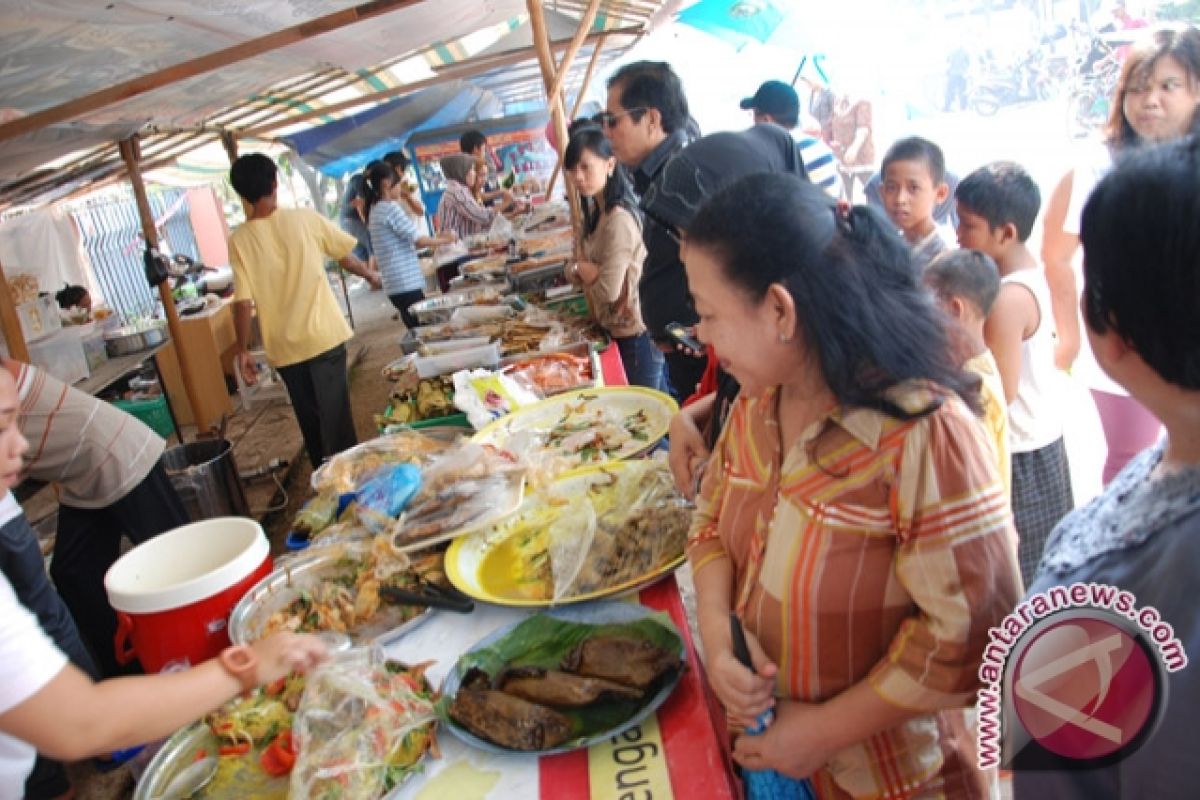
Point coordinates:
[[114, 369]]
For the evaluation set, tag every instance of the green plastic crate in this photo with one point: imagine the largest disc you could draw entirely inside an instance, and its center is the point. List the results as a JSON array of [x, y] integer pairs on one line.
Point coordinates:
[[458, 420], [152, 412], [575, 304]]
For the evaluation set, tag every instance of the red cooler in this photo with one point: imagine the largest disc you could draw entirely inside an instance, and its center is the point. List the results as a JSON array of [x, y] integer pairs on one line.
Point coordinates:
[[173, 594]]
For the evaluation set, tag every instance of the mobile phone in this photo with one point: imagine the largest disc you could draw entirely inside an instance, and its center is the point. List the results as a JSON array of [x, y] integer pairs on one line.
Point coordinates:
[[680, 335]]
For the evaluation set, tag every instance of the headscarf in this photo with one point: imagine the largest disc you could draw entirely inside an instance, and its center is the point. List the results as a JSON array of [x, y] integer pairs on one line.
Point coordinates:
[[455, 167]]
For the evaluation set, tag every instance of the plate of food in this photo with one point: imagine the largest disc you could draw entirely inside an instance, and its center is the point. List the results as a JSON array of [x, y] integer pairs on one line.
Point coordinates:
[[593, 533], [348, 588], [563, 680], [588, 426], [251, 746]]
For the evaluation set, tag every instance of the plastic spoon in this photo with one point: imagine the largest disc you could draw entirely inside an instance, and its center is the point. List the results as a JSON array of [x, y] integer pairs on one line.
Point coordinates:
[[190, 780]]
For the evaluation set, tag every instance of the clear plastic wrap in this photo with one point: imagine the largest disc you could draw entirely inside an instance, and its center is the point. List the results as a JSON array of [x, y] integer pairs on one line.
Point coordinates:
[[384, 495], [362, 728], [336, 587], [468, 487], [485, 396], [591, 533], [346, 471]]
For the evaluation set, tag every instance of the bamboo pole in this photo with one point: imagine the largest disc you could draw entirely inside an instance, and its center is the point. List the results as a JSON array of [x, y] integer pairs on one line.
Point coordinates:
[[131, 154], [10, 323], [250, 48], [541, 43], [583, 87], [585, 27]]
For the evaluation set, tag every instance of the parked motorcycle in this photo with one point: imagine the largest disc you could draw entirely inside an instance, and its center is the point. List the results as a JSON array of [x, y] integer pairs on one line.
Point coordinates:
[[1034, 77], [1089, 102]]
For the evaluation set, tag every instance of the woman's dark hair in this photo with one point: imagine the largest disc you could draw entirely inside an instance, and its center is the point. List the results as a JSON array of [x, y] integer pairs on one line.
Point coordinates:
[[378, 177], [652, 84], [398, 160], [70, 295], [863, 311], [1141, 250], [253, 177], [617, 190], [1180, 42]]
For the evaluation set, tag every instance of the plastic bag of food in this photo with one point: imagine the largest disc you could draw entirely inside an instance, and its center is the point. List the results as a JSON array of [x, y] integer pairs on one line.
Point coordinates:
[[484, 395], [466, 488], [347, 470], [362, 728], [385, 494]]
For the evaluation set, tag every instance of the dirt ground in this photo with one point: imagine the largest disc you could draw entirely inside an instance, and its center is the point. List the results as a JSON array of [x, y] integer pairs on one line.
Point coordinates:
[[269, 431]]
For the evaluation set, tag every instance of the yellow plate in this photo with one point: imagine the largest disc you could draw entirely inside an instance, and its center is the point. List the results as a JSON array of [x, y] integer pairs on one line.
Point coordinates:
[[482, 564], [612, 405]]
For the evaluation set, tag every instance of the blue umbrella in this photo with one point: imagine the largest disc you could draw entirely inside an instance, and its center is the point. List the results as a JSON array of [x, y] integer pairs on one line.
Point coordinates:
[[735, 21]]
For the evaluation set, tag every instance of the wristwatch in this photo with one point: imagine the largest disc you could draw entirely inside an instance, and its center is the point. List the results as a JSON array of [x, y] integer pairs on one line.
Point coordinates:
[[242, 663]]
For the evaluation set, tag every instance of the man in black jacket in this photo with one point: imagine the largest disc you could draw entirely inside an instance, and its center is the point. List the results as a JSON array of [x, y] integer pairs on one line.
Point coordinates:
[[646, 120]]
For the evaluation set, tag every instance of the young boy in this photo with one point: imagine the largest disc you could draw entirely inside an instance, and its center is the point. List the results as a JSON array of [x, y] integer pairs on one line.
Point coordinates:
[[914, 184], [965, 284], [997, 205]]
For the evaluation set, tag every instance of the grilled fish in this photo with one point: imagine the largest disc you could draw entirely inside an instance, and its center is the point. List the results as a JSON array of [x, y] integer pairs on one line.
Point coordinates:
[[630, 662], [560, 689], [509, 721]]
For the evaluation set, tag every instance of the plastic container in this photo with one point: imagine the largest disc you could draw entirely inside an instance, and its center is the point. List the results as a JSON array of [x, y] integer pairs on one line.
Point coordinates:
[[39, 317], [61, 355], [173, 594], [94, 351], [487, 355], [153, 412]]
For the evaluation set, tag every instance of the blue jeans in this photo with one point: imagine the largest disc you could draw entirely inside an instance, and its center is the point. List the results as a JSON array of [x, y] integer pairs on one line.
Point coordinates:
[[643, 362]]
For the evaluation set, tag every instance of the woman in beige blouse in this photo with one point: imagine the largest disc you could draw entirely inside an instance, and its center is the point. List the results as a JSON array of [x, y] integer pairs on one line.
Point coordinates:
[[612, 252]]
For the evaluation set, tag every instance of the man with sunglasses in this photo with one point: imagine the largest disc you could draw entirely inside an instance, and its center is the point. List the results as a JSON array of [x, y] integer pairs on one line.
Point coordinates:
[[646, 120]]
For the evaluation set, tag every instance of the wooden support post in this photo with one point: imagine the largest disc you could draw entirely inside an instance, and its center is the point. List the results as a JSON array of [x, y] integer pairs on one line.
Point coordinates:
[[13, 335], [541, 44], [131, 154], [583, 87]]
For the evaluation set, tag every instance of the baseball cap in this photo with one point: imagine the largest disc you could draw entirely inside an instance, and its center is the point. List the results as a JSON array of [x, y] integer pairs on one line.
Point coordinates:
[[775, 98]]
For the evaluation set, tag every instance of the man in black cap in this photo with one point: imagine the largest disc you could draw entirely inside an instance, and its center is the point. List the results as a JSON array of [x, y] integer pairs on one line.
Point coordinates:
[[777, 102]]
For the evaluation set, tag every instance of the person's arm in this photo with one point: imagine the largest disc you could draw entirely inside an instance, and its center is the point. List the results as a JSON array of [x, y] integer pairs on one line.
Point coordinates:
[[445, 237], [352, 263], [243, 310], [1058, 250], [465, 205], [1004, 331], [414, 205], [617, 250], [71, 718], [688, 451], [743, 693]]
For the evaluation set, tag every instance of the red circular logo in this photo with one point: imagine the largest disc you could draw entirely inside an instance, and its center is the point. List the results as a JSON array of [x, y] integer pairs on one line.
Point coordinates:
[[1084, 687]]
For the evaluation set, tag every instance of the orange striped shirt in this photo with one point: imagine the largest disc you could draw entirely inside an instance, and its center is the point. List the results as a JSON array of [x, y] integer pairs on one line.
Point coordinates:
[[886, 559]]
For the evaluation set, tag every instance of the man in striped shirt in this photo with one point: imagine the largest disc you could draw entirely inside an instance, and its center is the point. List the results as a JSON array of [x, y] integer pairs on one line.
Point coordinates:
[[777, 102]]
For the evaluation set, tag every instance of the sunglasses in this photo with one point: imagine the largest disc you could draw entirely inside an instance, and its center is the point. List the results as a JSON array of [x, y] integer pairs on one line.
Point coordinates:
[[609, 120]]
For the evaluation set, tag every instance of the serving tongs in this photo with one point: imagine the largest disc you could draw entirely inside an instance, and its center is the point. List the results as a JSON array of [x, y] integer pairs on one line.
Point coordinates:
[[431, 595]]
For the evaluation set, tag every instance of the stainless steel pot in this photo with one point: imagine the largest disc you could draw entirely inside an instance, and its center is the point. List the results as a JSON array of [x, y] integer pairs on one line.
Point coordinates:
[[127, 340]]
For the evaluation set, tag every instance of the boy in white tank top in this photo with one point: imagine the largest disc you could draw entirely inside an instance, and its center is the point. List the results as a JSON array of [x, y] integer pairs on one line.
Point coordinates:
[[997, 206]]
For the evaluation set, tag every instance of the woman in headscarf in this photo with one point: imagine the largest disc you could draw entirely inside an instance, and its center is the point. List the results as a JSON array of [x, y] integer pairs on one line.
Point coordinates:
[[459, 211]]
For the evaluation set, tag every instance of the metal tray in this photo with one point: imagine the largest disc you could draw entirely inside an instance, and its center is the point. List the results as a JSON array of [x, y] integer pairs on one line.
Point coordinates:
[[581, 349], [280, 587], [438, 309]]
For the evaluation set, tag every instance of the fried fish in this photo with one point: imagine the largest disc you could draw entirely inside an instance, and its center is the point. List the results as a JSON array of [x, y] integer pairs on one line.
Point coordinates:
[[560, 689], [630, 662], [509, 721]]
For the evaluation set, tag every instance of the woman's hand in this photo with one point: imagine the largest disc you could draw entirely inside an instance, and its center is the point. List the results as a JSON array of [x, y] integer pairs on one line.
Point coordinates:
[[688, 454], [795, 745], [283, 653], [744, 694], [588, 271]]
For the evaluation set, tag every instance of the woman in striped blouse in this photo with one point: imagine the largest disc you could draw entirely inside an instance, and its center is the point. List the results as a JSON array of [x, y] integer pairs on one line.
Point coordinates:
[[458, 210], [395, 239], [851, 513]]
